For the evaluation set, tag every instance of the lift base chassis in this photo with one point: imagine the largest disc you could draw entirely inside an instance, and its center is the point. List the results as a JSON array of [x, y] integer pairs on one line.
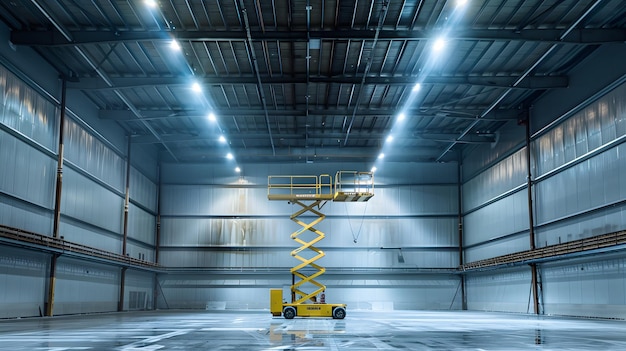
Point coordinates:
[[290, 310]]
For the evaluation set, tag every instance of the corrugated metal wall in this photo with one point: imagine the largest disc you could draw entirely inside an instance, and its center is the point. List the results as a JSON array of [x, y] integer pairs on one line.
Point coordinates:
[[92, 206], [22, 282], [580, 191], [222, 221]]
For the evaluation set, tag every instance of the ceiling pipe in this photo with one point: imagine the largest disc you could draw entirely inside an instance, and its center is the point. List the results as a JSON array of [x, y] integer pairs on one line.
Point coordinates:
[[256, 71], [519, 80], [100, 73]]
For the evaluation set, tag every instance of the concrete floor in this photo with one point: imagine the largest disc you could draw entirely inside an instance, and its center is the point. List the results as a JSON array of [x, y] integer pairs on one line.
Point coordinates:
[[258, 330]]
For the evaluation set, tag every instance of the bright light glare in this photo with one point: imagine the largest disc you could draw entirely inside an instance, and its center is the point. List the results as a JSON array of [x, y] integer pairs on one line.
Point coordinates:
[[390, 138], [151, 3], [196, 87], [439, 45], [237, 169], [212, 117], [401, 117], [222, 139], [461, 3], [417, 87], [229, 156], [174, 45], [381, 156], [374, 169]]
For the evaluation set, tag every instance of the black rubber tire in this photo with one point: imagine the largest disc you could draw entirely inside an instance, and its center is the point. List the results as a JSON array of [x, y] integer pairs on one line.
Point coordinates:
[[339, 313], [289, 312]]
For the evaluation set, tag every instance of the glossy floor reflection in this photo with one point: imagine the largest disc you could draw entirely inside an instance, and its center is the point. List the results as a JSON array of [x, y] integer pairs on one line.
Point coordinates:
[[257, 330]]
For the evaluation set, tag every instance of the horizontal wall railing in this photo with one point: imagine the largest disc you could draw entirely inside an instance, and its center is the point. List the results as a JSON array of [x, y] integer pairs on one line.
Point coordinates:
[[615, 241], [586, 245], [58, 245]]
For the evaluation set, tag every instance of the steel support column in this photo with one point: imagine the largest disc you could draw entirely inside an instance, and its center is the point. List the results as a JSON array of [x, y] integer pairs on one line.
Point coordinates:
[[51, 285], [59, 178], [460, 223], [531, 218], [120, 301], [126, 200], [157, 236], [57, 201], [120, 305]]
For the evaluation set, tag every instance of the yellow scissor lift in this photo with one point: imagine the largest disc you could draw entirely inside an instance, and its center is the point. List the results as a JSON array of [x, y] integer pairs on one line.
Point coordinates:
[[311, 193]]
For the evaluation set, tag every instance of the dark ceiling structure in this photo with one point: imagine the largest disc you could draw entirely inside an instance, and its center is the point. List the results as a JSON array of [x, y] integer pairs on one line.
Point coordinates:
[[314, 81]]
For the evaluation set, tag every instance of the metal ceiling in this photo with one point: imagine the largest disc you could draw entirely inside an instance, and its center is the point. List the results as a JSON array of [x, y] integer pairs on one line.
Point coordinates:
[[304, 80]]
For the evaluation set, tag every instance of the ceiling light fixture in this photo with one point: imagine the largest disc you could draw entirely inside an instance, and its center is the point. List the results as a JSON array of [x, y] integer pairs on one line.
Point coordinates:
[[174, 45], [417, 87], [222, 139], [461, 3], [390, 138], [374, 169], [439, 44], [212, 117], [237, 169], [196, 87], [401, 117], [229, 156], [151, 3], [381, 156]]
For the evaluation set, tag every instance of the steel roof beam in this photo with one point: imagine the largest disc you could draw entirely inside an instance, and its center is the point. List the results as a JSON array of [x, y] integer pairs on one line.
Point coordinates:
[[154, 114], [343, 153], [531, 82], [437, 137], [576, 36]]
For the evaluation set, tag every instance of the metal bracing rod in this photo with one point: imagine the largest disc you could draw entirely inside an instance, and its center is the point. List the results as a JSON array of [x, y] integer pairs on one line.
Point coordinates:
[[519, 80]]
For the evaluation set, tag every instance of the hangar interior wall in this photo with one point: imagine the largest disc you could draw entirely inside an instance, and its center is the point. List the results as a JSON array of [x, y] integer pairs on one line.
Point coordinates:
[[226, 244], [91, 208], [579, 191]]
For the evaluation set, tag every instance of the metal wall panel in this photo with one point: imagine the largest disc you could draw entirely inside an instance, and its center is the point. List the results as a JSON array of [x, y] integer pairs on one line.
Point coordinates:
[[204, 200], [506, 291], [91, 155], [139, 290], [506, 216], [480, 157], [85, 234], [270, 258], [26, 172], [139, 251], [25, 111], [393, 173], [500, 178], [588, 185], [509, 244], [609, 220], [86, 200], [22, 282], [586, 288], [141, 225], [15, 213], [143, 190], [339, 232], [371, 292], [85, 287], [599, 123]]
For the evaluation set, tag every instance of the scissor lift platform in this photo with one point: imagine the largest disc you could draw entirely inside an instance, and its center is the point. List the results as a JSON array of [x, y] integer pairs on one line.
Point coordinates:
[[311, 193]]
